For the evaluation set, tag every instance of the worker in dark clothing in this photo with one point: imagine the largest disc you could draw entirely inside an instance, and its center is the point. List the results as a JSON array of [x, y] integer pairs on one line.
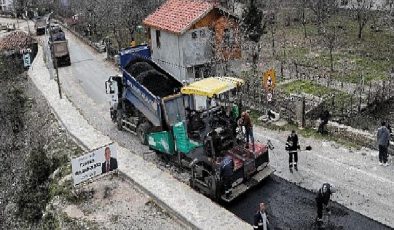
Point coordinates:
[[226, 173], [247, 123], [325, 116], [292, 146], [383, 139], [261, 219], [322, 199]]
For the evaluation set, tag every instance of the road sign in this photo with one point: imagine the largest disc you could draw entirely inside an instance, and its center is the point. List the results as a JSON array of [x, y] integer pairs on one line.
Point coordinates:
[[26, 60], [269, 79]]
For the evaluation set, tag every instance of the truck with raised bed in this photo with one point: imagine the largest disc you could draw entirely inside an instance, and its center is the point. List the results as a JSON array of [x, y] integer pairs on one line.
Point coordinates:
[[180, 123]]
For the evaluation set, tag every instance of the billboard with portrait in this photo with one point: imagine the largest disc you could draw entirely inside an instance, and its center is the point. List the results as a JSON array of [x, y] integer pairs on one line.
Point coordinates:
[[94, 163]]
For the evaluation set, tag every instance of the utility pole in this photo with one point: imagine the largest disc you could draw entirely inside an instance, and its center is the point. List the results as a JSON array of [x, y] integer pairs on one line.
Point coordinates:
[[54, 60]]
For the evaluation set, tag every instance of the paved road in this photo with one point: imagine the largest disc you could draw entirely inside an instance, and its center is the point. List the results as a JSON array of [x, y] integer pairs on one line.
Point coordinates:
[[89, 69], [84, 82], [292, 207]]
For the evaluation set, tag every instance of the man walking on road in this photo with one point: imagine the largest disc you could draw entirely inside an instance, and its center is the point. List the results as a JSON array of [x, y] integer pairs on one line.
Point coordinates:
[[292, 147], [261, 219], [322, 199], [383, 139]]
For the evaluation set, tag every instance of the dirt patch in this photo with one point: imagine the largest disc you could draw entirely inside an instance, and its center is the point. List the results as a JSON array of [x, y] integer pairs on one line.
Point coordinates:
[[117, 204]]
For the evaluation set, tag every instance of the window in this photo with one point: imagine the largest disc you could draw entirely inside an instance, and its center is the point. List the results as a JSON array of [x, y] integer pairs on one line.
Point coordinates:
[[158, 38], [202, 33], [226, 37]]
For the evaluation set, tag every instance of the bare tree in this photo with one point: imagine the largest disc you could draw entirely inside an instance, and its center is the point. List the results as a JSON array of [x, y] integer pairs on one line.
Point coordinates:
[[322, 10], [332, 35], [362, 10], [303, 8]]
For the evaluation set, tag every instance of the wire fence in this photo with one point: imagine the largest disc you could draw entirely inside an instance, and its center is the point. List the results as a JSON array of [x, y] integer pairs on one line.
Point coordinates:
[[343, 101]]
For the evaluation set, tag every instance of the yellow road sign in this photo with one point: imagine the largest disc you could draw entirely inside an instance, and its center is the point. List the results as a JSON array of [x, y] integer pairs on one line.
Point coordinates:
[[269, 79]]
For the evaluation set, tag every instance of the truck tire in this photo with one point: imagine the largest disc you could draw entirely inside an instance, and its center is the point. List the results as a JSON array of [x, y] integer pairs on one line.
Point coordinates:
[[212, 184], [142, 130], [68, 61]]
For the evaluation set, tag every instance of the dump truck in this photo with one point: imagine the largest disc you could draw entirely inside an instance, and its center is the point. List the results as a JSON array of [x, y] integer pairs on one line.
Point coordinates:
[[39, 25], [182, 124], [58, 45]]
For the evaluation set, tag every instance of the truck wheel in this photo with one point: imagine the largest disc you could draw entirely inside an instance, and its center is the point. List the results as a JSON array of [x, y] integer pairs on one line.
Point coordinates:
[[213, 189], [119, 119], [142, 130], [68, 62]]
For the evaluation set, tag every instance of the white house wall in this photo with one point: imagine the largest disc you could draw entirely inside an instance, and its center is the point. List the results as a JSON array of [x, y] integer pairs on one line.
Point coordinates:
[[197, 47], [168, 56]]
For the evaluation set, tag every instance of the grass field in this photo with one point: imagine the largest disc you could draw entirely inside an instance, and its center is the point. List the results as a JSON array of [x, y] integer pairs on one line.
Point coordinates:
[[371, 57]]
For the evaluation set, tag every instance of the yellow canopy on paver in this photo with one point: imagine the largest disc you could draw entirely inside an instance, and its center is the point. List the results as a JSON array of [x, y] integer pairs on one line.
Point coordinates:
[[212, 86]]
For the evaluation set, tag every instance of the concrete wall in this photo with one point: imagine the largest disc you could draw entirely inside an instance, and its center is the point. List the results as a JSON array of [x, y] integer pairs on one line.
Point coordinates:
[[169, 56]]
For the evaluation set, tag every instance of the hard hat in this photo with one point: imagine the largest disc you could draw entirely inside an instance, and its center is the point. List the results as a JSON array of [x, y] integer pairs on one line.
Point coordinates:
[[333, 189]]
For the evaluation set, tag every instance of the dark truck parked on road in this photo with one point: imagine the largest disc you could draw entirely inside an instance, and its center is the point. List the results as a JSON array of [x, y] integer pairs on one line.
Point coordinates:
[[40, 25], [58, 44]]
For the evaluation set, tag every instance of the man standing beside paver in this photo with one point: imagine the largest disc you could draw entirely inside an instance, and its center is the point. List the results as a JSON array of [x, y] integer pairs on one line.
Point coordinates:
[[383, 139]]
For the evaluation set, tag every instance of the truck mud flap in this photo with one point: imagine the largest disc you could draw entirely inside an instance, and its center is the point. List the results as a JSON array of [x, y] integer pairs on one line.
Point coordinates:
[[253, 181]]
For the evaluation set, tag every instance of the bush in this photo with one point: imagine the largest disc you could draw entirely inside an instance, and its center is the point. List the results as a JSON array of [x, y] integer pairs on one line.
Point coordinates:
[[35, 193]]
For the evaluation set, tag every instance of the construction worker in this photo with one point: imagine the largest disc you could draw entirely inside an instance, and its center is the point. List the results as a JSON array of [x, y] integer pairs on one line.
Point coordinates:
[[323, 196], [324, 117], [226, 173], [247, 123], [383, 139], [261, 218], [292, 146]]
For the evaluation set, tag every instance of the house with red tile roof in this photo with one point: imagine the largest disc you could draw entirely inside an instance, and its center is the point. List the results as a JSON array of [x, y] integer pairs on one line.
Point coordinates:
[[188, 36]]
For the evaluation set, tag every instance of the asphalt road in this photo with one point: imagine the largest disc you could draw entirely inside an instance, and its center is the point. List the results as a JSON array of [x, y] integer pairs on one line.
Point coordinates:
[[290, 206], [90, 73]]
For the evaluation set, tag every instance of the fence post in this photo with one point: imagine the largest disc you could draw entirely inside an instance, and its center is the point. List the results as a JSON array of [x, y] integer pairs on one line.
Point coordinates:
[[359, 102], [351, 105], [369, 92]]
